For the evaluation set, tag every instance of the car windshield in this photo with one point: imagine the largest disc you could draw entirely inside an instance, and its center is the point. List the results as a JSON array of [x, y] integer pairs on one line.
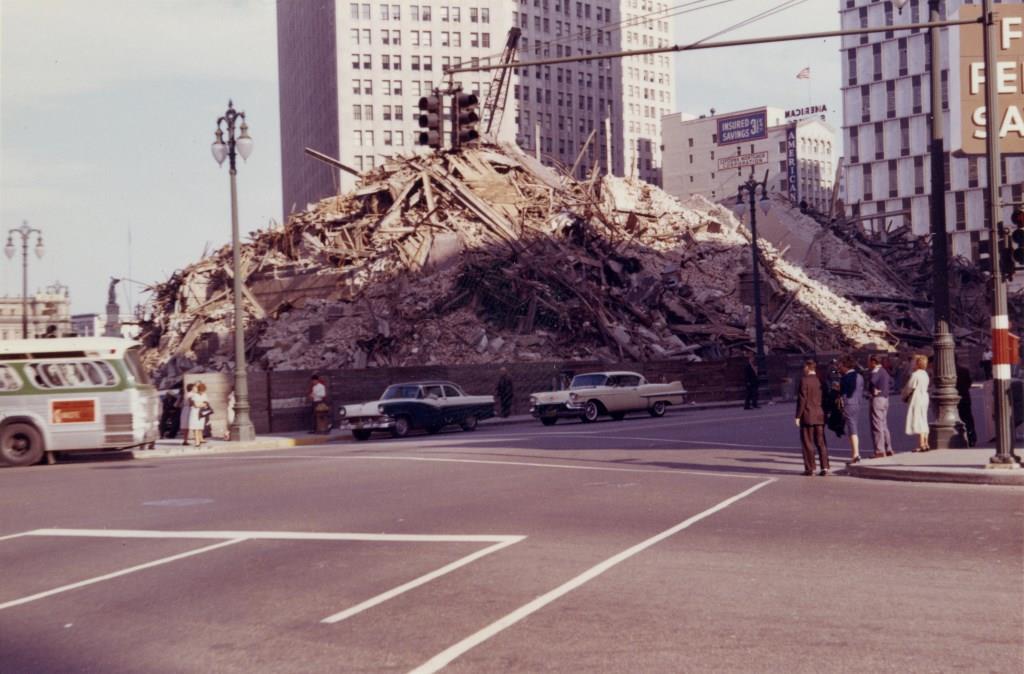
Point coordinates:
[[401, 392], [588, 380]]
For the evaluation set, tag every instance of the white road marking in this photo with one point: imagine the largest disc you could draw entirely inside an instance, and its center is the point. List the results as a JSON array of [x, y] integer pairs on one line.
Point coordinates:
[[133, 569], [451, 653], [390, 594], [10, 536], [433, 459], [278, 535]]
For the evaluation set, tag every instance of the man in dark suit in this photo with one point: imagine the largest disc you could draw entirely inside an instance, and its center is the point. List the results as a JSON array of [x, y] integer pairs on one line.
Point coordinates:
[[810, 418], [878, 386]]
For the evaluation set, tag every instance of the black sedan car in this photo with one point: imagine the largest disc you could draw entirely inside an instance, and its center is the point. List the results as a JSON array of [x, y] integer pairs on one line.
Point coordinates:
[[428, 405]]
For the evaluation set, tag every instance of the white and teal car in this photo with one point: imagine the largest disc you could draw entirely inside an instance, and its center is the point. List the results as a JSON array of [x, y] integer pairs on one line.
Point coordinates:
[[596, 394]]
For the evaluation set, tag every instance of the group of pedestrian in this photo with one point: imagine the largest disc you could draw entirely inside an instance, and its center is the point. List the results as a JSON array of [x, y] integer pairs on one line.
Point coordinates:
[[843, 394]]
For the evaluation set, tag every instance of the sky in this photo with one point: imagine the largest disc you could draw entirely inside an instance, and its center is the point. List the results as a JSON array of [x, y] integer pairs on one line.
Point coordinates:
[[108, 108]]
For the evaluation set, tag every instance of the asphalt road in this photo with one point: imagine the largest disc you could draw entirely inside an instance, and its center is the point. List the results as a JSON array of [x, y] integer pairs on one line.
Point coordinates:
[[689, 543]]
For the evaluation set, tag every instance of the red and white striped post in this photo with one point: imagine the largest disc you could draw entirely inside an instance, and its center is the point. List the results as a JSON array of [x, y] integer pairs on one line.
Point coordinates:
[[1001, 341]]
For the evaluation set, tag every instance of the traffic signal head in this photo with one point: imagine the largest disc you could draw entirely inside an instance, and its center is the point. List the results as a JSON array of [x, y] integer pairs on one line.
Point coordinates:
[[431, 122], [1017, 246], [467, 116], [1017, 217]]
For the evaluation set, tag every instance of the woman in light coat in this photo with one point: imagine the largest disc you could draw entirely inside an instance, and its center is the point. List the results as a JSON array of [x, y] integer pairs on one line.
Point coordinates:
[[916, 395], [196, 402]]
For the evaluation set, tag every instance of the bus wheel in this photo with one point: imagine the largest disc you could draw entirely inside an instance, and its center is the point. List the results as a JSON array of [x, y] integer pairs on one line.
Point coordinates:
[[20, 445]]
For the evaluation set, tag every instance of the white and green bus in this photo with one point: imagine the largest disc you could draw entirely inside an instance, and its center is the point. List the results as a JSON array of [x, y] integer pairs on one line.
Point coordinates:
[[73, 394]]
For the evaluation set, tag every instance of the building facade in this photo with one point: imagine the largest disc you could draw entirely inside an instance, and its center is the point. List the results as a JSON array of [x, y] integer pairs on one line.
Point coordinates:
[[351, 75], [87, 325], [886, 104], [697, 161], [48, 311]]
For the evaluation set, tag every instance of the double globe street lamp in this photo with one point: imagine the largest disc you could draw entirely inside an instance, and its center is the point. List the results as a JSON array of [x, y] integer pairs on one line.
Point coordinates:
[[25, 231], [752, 188], [241, 428]]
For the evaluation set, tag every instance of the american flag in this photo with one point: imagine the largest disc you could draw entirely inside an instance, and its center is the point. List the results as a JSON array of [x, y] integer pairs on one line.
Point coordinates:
[[804, 74]]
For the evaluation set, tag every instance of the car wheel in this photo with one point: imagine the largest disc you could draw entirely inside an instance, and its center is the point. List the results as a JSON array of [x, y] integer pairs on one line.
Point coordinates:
[[618, 416], [361, 434], [658, 409], [469, 423], [592, 411], [549, 421], [20, 445], [401, 427]]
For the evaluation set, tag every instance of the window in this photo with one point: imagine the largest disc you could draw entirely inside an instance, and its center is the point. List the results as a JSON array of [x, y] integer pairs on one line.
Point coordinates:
[[865, 103], [9, 378], [893, 179], [428, 62], [890, 99], [915, 83], [945, 90], [385, 113], [75, 374], [851, 66], [904, 137], [357, 112], [388, 139], [972, 171], [867, 182], [876, 61], [354, 11], [919, 175], [385, 62], [862, 15], [368, 113], [961, 211], [414, 62], [901, 48], [879, 141]]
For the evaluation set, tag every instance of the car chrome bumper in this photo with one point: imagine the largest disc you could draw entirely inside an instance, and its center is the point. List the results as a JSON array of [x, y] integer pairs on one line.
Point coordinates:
[[376, 423], [561, 410]]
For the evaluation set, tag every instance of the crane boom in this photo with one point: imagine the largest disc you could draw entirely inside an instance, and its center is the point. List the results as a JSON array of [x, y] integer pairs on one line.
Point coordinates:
[[494, 106]]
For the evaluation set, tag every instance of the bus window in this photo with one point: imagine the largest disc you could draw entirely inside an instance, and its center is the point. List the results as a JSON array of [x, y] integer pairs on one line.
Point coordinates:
[[134, 362], [9, 379]]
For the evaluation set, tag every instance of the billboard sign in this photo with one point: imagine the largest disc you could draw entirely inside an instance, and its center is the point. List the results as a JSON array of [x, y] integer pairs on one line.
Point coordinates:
[[741, 160], [791, 159], [797, 113], [744, 127], [968, 89]]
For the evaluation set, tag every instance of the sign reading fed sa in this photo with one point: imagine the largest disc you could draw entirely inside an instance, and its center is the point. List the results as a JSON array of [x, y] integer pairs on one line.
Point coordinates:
[[969, 88]]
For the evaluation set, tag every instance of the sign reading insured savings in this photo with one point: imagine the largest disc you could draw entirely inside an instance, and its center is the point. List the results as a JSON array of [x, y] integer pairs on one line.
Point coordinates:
[[969, 89], [746, 126], [742, 160], [73, 411]]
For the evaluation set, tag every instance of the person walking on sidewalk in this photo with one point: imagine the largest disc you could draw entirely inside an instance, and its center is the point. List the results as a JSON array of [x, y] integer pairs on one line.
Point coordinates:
[[750, 382], [964, 407], [318, 405], [915, 394], [810, 418], [505, 393], [197, 403], [878, 385], [851, 392]]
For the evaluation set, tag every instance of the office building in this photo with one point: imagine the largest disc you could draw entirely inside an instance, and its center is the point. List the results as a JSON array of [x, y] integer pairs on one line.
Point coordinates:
[[886, 103], [49, 312], [699, 161], [351, 75]]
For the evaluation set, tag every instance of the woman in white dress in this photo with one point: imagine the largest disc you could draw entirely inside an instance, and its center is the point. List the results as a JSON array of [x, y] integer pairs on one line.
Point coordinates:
[[183, 403], [916, 395], [197, 401]]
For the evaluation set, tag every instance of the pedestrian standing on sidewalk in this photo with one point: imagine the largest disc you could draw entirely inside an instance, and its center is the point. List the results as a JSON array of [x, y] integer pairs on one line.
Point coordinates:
[[505, 393], [183, 402], [915, 394], [851, 391], [810, 419], [197, 403], [986, 363], [878, 385], [751, 383], [318, 404]]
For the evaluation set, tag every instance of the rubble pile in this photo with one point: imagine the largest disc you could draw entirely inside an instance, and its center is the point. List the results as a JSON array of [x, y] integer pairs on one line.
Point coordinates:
[[485, 255]]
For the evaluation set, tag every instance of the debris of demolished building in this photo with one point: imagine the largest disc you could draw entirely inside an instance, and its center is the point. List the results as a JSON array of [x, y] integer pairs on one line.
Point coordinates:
[[485, 255]]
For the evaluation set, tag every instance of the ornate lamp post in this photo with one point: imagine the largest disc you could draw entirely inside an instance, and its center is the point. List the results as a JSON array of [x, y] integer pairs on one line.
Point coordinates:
[[25, 231], [751, 189], [241, 428]]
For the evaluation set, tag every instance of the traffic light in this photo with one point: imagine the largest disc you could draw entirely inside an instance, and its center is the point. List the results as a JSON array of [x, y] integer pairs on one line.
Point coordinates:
[[431, 122], [1015, 241], [465, 118]]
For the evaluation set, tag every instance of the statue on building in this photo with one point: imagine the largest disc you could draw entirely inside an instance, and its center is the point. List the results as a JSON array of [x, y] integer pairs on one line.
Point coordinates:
[[112, 328]]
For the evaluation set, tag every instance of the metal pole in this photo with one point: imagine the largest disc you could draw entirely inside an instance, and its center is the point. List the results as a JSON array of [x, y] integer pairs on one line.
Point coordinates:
[[755, 255], [608, 142], [1003, 458], [536, 140], [24, 286], [242, 428], [943, 433]]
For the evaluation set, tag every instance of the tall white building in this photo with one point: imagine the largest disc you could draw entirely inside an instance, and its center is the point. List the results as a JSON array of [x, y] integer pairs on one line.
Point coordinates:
[[886, 103], [698, 161], [351, 75]]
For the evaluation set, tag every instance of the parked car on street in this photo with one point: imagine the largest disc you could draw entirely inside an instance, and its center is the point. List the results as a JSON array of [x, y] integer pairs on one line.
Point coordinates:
[[615, 394], [429, 405]]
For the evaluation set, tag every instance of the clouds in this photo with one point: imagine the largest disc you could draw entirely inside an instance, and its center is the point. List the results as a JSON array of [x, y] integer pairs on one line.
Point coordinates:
[[55, 48]]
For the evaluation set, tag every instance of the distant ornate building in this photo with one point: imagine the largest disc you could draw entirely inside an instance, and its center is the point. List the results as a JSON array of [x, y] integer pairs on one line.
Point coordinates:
[[47, 310]]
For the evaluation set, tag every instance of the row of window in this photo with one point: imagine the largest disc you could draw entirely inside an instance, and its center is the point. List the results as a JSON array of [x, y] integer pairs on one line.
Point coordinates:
[[393, 12], [896, 93], [417, 38], [362, 138], [62, 375]]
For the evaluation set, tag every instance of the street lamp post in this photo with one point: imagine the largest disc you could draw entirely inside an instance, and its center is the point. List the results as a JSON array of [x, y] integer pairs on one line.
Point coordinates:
[[751, 189], [943, 434], [241, 428], [25, 231]]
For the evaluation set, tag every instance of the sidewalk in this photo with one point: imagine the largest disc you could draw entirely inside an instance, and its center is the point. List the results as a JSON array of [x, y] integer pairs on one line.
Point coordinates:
[[966, 466]]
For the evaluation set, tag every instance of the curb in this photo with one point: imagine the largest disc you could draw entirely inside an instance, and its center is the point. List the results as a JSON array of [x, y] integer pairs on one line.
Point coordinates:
[[993, 476]]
